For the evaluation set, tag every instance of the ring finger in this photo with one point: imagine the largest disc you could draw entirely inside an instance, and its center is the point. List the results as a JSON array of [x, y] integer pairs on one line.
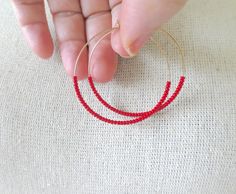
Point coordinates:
[[98, 18]]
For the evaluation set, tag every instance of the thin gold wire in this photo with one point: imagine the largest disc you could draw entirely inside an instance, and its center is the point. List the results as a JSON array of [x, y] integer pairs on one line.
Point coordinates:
[[181, 52], [113, 29], [85, 45], [109, 31]]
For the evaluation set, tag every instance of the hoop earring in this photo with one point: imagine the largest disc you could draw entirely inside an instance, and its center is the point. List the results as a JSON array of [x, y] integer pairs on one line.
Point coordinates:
[[163, 103], [136, 114]]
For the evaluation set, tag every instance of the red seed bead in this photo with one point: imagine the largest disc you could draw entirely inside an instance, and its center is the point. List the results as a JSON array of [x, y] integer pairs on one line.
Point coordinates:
[[157, 107], [115, 122]]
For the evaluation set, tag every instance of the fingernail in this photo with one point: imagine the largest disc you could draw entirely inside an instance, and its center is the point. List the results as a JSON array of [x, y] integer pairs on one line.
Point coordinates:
[[133, 48], [128, 56], [130, 51], [68, 61], [69, 52]]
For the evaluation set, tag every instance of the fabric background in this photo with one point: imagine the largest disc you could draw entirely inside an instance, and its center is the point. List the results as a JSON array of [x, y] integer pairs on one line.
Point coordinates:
[[49, 144]]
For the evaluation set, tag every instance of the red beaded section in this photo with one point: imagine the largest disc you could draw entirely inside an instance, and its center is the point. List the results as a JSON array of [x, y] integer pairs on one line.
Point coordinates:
[[127, 122], [157, 107], [175, 94]]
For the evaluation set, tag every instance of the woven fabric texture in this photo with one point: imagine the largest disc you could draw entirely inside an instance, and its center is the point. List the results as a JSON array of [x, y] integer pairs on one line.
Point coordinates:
[[50, 145]]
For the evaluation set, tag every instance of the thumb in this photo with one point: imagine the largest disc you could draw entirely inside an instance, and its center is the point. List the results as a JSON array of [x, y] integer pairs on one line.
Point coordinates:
[[139, 19]]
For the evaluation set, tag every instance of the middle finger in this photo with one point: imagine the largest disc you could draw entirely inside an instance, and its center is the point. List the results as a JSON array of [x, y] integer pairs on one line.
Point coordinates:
[[98, 19]]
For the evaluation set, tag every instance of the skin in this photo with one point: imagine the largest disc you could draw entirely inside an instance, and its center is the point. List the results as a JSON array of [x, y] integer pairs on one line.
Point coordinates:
[[76, 21]]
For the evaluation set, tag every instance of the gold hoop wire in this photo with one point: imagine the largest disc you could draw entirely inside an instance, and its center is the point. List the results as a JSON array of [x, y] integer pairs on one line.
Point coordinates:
[[107, 32], [144, 115]]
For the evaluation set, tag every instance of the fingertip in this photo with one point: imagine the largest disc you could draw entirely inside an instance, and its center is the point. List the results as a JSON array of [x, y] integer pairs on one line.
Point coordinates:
[[132, 41], [39, 39], [104, 64], [132, 48], [69, 53], [103, 71], [117, 45], [138, 20]]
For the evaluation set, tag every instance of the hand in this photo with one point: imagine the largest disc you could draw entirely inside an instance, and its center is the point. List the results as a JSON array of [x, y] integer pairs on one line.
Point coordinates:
[[76, 21]]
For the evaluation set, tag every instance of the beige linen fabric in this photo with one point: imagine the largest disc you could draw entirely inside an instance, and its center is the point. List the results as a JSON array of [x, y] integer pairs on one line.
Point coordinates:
[[50, 145]]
